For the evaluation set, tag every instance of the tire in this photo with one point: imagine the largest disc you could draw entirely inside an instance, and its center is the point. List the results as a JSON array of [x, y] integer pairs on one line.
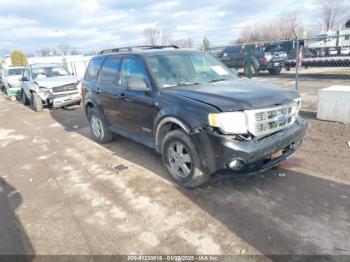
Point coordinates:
[[98, 127], [25, 99], [37, 104], [182, 160], [275, 70]]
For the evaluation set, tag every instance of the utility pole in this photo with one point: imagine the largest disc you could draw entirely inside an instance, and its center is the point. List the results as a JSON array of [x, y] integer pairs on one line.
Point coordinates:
[[297, 58], [201, 28], [160, 39]]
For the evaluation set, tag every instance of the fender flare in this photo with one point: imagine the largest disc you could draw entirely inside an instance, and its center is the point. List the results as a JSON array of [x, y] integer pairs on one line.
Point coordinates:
[[167, 120], [89, 101]]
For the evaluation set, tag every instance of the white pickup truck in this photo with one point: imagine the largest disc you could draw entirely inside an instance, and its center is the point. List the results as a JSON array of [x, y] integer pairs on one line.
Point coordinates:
[[49, 85], [11, 77]]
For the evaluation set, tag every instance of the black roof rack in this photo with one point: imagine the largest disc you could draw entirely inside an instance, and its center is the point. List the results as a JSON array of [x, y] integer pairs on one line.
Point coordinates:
[[133, 48]]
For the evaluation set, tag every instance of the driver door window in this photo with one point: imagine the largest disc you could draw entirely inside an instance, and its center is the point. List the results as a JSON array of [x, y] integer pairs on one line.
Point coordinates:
[[26, 74], [132, 70]]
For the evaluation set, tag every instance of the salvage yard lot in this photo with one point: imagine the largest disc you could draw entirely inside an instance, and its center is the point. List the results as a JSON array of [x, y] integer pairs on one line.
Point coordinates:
[[61, 193]]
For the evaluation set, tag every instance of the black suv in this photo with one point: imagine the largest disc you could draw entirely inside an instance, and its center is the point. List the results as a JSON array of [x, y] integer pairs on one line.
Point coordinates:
[[192, 109], [270, 58]]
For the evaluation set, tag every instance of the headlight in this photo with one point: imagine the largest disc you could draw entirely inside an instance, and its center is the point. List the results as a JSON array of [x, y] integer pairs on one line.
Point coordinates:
[[296, 105], [44, 89], [229, 122]]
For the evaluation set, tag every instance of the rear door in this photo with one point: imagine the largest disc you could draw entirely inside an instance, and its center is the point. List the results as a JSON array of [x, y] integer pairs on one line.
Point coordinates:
[[108, 90], [89, 88]]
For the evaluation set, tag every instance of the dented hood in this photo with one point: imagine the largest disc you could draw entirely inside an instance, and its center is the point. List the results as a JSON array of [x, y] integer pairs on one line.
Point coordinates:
[[236, 94], [51, 82]]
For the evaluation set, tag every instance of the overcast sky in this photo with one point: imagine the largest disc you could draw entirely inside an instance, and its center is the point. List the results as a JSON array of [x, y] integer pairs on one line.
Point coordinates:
[[94, 24]]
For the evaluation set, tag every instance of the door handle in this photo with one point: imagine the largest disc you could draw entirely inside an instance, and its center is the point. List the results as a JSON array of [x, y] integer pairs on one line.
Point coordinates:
[[124, 98]]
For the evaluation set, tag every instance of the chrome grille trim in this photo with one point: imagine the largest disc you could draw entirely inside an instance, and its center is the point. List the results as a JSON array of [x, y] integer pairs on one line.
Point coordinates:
[[262, 122], [65, 88]]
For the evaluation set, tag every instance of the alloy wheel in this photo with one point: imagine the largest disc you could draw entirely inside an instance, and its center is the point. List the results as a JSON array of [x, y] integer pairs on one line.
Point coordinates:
[[180, 159]]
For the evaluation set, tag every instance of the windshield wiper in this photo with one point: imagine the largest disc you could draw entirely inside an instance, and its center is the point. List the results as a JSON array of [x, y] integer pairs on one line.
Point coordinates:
[[217, 80], [183, 83]]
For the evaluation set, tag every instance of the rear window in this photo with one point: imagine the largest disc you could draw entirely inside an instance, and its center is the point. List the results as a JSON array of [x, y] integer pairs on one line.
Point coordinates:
[[93, 68], [232, 50], [110, 71], [15, 71]]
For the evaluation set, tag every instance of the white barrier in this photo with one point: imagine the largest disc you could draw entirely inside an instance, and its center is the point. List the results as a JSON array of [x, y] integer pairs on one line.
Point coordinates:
[[334, 104]]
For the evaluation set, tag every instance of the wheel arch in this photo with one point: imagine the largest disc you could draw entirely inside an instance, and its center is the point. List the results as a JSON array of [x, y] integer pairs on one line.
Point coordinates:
[[167, 124], [89, 104]]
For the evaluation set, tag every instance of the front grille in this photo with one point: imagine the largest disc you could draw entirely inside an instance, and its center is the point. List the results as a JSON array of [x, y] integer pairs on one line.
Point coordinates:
[[65, 88], [63, 95], [262, 122]]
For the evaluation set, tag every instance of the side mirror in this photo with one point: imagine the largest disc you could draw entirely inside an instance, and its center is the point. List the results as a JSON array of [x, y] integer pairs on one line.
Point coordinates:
[[24, 78], [137, 84]]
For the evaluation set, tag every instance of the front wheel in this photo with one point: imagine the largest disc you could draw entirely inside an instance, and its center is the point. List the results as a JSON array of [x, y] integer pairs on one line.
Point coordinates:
[[182, 161], [25, 99], [37, 103], [275, 70]]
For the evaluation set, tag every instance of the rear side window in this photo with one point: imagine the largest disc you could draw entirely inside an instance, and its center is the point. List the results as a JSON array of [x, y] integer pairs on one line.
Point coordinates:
[[110, 71], [232, 51], [93, 68]]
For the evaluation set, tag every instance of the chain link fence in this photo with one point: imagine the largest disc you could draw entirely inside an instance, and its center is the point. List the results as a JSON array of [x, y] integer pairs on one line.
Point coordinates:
[[320, 57], [77, 67]]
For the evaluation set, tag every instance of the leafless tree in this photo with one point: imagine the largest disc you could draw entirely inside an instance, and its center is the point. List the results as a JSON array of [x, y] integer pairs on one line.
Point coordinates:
[[152, 35], [65, 49], [48, 52], [288, 23], [68, 50], [330, 12], [278, 29], [184, 43], [205, 44], [44, 52], [155, 36]]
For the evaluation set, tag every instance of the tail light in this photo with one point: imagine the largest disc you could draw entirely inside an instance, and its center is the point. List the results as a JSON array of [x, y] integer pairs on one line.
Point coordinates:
[[266, 58]]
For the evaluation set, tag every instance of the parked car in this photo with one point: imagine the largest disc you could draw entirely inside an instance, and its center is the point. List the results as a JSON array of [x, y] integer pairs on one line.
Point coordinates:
[[311, 58], [1, 76], [270, 58], [49, 85], [307, 54], [189, 107], [11, 80], [345, 51]]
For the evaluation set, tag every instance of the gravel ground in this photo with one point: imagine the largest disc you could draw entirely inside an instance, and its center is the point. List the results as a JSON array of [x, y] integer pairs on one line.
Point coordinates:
[[61, 193]]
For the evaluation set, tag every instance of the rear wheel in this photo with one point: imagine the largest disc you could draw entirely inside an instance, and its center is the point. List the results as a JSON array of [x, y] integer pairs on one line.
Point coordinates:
[[98, 127], [37, 103], [182, 161], [275, 70]]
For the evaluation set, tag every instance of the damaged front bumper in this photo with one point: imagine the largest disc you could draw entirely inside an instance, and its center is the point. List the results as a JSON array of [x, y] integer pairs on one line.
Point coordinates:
[[57, 101], [60, 100], [221, 152]]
